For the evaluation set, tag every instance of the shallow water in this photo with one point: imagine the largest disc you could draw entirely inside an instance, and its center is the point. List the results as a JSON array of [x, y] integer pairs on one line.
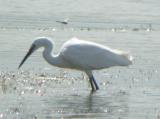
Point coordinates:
[[40, 91]]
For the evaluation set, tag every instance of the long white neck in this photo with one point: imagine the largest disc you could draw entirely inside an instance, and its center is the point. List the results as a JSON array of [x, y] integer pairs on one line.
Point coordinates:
[[51, 58]]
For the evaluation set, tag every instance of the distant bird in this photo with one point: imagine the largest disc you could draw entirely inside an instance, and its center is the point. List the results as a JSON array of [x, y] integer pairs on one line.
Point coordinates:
[[149, 28], [64, 22], [81, 55]]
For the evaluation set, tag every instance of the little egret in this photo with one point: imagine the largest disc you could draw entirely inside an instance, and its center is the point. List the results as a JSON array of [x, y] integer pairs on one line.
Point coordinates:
[[81, 55]]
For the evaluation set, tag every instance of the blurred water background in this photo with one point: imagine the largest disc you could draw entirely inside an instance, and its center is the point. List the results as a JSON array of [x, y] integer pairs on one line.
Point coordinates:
[[40, 91]]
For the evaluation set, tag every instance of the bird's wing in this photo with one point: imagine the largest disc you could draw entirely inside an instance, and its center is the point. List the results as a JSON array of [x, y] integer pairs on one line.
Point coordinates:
[[89, 55]]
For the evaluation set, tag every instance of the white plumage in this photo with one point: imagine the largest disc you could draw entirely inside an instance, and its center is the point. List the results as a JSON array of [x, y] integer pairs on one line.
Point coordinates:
[[90, 56], [81, 55]]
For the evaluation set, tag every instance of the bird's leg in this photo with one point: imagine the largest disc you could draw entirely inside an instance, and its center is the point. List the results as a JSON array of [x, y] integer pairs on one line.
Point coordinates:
[[96, 87], [93, 82]]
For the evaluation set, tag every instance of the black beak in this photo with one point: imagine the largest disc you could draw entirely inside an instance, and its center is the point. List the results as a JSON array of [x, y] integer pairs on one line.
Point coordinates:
[[27, 55]]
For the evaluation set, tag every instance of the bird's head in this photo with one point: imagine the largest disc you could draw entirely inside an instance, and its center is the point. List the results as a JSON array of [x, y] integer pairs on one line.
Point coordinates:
[[38, 42]]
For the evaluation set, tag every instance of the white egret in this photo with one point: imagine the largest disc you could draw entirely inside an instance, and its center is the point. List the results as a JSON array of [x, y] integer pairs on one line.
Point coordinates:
[[81, 55]]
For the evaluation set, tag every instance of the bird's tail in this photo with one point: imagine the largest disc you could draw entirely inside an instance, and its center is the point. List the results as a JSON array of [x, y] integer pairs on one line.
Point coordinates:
[[126, 58]]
